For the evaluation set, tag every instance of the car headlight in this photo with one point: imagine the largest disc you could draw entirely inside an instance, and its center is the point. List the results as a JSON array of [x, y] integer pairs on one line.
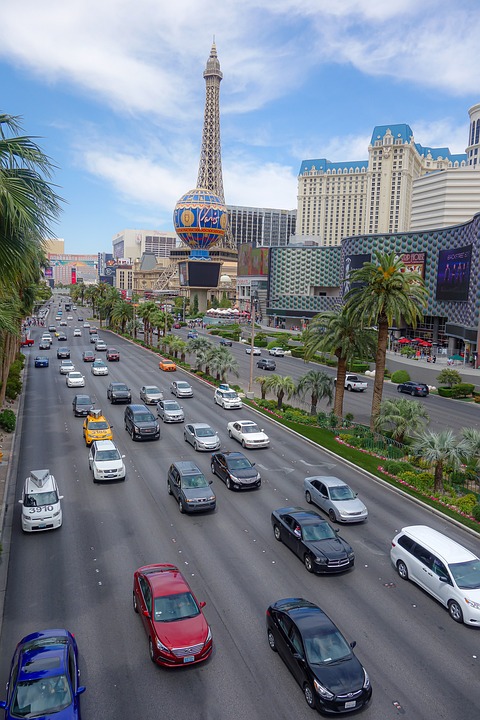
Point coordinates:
[[322, 691], [321, 559], [234, 479], [161, 646], [258, 476], [472, 603], [211, 498], [366, 680], [136, 428], [351, 555], [209, 636]]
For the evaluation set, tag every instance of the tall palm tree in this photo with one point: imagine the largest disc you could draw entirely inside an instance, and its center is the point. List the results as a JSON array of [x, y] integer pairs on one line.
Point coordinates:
[[222, 362], [402, 417], [261, 380], [282, 386], [440, 449], [471, 437], [382, 294], [177, 345], [319, 384], [336, 333], [200, 347], [122, 313], [147, 311]]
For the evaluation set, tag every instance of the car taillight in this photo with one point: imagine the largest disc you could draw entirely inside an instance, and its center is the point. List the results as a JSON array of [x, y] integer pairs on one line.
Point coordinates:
[[393, 544]]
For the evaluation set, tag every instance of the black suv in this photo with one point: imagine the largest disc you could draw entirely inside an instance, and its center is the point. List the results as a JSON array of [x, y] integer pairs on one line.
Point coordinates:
[[236, 470], [141, 423], [266, 364], [118, 392], [414, 388], [81, 405], [63, 352]]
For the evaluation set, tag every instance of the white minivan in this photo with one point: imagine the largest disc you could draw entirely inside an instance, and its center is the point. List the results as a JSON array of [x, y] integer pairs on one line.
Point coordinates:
[[41, 508], [227, 398], [442, 567]]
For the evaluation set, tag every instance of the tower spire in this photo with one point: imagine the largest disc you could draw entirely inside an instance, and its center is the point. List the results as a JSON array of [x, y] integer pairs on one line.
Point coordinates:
[[210, 166]]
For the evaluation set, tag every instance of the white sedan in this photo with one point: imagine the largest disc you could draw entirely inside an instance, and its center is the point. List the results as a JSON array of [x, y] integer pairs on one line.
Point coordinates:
[[248, 433], [77, 332], [99, 368], [75, 379], [277, 351], [255, 351], [66, 366]]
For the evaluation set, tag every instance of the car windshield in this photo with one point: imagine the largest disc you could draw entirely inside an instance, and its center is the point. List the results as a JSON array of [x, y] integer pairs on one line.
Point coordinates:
[[466, 574], [194, 481], [40, 499], [249, 429], [183, 385], [152, 390], [143, 417], [175, 607], [326, 649], [230, 395], [44, 696], [99, 363], [84, 401], [75, 375], [239, 464], [107, 455], [98, 425], [119, 386], [204, 432], [323, 531], [341, 492], [171, 405]]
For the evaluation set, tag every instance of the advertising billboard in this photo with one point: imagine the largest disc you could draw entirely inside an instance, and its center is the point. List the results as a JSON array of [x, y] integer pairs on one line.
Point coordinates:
[[415, 262], [351, 263], [453, 275], [252, 260], [203, 273], [74, 275], [182, 274]]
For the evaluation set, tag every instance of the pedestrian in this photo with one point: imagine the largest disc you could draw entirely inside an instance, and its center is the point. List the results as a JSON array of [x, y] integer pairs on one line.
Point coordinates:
[[434, 359]]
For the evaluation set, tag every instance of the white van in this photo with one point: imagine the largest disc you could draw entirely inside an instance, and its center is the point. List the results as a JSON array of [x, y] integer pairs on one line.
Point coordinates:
[[227, 398], [41, 502], [442, 567]]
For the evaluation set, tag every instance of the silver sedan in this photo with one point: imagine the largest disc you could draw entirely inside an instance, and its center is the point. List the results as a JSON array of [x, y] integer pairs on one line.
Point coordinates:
[[336, 498], [201, 436], [170, 411], [150, 394]]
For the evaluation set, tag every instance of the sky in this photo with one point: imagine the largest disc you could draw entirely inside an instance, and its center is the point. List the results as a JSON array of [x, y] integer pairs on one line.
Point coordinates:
[[114, 92]]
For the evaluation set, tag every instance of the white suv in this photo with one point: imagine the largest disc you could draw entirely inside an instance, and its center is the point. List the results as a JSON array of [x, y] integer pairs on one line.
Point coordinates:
[[41, 508], [105, 461], [227, 398]]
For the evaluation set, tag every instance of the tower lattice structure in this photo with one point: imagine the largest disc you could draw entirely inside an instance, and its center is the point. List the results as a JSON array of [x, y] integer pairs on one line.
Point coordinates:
[[210, 167]]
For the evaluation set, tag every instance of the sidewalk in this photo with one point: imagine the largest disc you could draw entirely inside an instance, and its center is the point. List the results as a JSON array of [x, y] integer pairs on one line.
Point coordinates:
[[423, 371]]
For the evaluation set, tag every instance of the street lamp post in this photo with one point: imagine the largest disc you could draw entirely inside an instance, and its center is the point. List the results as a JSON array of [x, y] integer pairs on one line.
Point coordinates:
[[253, 313]]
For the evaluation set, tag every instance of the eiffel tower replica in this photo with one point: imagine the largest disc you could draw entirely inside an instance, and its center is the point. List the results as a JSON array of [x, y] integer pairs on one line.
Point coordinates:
[[210, 166]]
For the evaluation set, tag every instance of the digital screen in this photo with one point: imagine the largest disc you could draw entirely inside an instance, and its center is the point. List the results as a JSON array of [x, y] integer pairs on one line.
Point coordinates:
[[252, 261], [202, 273], [351, 263], [453, 275], [415, 262], [182, 274]]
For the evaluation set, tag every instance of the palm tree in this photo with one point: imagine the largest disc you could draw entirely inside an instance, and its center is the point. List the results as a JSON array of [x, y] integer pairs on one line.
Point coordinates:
[[401, 416], [471, 437], [222, 362], [200, 347], [122, 313], [177, 345], [282, 386], [261, 379], [319, 384], [384, 294], [336, 333], [440, 449], [449, 377], [147, 311]]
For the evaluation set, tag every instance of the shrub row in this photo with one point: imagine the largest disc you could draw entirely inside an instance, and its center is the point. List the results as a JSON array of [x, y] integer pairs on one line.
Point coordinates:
[[14, 382], [400, 376], [461, 390], [7, 420]]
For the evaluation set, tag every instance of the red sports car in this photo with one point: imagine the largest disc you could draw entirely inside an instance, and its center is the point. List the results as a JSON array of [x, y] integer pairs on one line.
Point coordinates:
[[178, 633]]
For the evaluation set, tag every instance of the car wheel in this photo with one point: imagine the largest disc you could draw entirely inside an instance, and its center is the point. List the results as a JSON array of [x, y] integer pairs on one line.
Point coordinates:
[[132, 434], [169, 488], [276, 532], [229, 433], [399, 389], [180, 505], [349, 388], [331, 515], [307, 561], [308, 497], [151, 651], [185, 436], [243, 444], [228, 483], [402, 570], [271, 641], [135, 605], [309, 696], [455, 611], [212, 468], [195, 446]]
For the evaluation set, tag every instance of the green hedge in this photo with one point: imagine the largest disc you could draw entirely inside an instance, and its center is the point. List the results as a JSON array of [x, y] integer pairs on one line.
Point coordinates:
[[7, 420], [461, 390], [359, 367], [400, 376]]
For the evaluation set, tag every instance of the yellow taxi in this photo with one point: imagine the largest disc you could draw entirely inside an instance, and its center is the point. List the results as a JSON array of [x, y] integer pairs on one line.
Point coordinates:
[[167, 366], [96, 427]]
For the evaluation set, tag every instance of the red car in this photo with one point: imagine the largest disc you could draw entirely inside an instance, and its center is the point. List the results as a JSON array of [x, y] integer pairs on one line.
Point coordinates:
[[88, 356], [178, 633], [26, 342], [113, 354]]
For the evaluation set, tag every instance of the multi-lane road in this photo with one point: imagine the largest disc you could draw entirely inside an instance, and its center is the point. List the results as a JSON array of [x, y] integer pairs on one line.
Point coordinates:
[[422, 664]]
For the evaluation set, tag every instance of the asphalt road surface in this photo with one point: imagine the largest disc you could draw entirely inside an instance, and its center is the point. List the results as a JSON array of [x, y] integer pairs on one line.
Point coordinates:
[[422, 665]]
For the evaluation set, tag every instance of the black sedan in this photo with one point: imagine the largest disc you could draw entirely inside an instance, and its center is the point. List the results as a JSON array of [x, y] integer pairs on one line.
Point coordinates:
[[226, 342], [63, 353], [44, 345], [236, 470], [81, 405], [311, 537], [318, 656], [413, 388]]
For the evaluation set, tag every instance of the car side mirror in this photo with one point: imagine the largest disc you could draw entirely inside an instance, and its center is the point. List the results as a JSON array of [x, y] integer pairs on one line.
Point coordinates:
[[298, 657], [21, 502], [443, 578], [353, 644], [81, 689], [146, 613], [202, 604], [336, 530], [210, 482], [3, 703], [123, 456], [60, 497]]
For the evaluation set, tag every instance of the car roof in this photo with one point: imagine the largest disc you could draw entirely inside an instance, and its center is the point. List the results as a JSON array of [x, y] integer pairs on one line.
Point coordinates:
[[450, 550], [105, 445], [200, 425], [165, 579], [328, 480], [83, 397], [245, 422], [39, 658], [138, 408], [303, 516], [116, 384], [186, 467], [305, 614]]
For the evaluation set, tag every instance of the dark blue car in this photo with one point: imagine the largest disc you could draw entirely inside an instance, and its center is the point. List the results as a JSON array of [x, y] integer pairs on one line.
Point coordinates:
[[44, 678], [41, 361]]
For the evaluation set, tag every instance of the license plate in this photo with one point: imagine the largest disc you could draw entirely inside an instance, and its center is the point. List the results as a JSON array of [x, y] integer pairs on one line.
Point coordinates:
[[41, 527], [189, 658], [350, 704]]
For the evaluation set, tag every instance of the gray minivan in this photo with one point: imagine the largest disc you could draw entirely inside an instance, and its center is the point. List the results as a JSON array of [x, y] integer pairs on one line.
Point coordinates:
[[190, 487]]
